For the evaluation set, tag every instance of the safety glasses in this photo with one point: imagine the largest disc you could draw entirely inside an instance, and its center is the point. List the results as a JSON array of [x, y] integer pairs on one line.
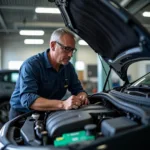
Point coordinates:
[[67, 49]]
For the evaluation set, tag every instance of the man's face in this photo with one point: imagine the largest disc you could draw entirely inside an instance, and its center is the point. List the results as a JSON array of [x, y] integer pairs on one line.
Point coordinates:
[[64, 49]]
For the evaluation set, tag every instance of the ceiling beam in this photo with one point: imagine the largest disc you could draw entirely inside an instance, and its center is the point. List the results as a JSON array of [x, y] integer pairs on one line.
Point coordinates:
[[137, 6], [9, 30], [17, 7], [3, 24], [18, 25]]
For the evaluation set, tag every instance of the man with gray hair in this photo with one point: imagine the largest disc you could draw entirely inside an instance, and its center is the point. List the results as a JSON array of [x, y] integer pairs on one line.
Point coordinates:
[[44, 79]]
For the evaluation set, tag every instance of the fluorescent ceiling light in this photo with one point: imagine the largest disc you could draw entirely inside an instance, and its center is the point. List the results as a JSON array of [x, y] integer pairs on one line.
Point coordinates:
[[146, 14], [47, 10], [82, 42], [31, 32], [33, 41]]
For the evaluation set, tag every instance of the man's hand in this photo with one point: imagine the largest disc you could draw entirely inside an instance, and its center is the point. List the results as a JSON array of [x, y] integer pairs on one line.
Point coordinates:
[[76, 101], [72, 102], [83, 98]]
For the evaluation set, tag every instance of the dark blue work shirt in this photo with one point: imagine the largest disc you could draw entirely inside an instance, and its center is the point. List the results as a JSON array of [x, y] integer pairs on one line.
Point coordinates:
[[37, 78]]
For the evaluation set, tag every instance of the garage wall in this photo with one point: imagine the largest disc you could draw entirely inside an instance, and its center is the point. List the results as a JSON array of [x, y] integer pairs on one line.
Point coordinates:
[[88, 56], [14, 49], [143, 67], [133, 71], [138, 69]]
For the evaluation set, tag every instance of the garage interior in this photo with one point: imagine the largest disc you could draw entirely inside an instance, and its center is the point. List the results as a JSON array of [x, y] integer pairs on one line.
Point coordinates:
[[18, 17]]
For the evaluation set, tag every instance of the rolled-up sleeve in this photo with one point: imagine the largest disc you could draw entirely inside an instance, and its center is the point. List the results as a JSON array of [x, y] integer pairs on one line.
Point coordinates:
[[28, 85]]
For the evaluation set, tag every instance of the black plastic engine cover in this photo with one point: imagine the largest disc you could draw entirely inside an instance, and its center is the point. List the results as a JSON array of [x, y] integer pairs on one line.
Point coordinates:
[[67, 121], [73, 120]]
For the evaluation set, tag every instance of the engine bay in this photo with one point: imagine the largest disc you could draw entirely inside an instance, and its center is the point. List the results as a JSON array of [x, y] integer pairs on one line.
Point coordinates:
[[98, 120]]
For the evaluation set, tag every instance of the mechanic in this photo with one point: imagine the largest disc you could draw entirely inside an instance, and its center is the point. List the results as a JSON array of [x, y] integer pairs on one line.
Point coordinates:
[[44, 79]]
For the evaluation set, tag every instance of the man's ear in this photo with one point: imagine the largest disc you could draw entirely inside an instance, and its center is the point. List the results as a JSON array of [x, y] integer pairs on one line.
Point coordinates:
[[52, 45]]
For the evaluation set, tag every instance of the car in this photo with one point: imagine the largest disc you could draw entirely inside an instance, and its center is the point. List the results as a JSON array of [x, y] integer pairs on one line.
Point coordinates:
[[8, 80], [115, 119]]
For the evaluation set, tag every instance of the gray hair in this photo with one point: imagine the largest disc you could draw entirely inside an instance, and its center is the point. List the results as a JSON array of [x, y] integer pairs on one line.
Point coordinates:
[[55, 36]]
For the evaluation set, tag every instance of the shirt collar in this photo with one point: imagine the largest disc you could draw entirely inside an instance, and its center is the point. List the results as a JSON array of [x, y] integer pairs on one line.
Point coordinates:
[[47, 62]]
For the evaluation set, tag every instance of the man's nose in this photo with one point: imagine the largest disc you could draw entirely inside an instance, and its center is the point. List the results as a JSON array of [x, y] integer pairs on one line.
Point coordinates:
[[70, 54]]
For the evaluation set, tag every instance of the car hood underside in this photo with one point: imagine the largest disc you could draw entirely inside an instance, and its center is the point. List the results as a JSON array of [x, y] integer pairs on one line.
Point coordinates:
[[109, 30]]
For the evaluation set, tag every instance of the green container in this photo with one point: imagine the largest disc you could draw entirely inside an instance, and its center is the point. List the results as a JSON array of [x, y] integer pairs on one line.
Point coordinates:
[[73, 137]]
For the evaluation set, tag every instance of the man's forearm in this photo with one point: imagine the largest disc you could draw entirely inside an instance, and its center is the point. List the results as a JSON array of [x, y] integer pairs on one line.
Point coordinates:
[[43, 104]]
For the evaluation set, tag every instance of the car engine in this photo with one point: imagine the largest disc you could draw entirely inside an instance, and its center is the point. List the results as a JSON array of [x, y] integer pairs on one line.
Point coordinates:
[[101, 118]]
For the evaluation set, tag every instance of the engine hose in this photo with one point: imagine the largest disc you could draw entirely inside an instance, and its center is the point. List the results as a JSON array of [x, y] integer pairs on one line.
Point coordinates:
[[44, 138], [38, 133], [39, 127]]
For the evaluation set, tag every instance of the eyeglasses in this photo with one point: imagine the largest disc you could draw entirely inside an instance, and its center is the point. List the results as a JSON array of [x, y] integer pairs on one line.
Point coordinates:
[[67, 49]]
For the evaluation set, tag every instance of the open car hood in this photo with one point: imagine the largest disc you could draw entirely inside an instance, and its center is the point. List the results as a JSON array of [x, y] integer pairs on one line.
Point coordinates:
[[109, 30]]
